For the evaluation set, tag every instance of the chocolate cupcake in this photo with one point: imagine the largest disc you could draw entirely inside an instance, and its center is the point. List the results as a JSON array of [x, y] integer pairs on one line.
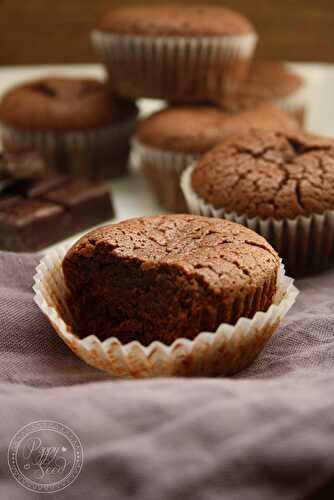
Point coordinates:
[[165, 277], [274, 82], [165, 295], [169, 140], [280, 185], [174, 52], [76, 123]]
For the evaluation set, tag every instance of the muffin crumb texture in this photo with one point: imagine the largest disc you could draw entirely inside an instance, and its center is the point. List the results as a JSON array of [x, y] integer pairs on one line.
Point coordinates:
[[268, 174], [166, 277]]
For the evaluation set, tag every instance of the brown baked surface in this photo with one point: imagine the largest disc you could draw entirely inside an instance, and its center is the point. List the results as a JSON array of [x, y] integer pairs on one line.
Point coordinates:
[[266, 80], [175, 20], [62, 104], [168, 276], [268, 174], [196, 129]]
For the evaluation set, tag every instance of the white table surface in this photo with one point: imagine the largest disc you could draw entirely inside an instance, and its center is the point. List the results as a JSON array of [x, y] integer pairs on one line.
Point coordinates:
[[130, 195]]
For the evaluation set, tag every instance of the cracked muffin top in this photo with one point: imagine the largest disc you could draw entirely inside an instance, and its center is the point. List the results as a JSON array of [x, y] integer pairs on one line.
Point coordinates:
[[196, 129], [62, 104], [266, 81], [268, 174], [225, 256], [175, 20]]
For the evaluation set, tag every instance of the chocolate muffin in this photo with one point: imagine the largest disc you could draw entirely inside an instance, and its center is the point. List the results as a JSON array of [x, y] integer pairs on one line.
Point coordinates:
[[166, 277], [270, 81], [169, 140], [175, 52], [197, 129], [280, 184], [81, 128]]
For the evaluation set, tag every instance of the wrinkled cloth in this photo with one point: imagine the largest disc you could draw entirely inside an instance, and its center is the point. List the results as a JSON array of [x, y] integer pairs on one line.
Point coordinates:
[[267, 433]]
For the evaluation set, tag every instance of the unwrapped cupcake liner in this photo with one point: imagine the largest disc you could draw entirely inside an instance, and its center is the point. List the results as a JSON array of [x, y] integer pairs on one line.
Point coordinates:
[[94, 153], [306, 244], [162, 171], [174, 67], [224, 352]]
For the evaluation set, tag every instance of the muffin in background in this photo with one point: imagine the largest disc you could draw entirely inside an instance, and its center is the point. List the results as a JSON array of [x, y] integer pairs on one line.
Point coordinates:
[[76, 123], [178, 52], [23, 163], [169, 140], [281, 185], [274, 82]]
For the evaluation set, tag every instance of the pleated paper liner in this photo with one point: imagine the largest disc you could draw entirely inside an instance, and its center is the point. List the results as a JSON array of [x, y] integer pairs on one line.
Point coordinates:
[[100, 153], [226, 351], [305, 244], [296, 104], [162, 170], [174, 68]]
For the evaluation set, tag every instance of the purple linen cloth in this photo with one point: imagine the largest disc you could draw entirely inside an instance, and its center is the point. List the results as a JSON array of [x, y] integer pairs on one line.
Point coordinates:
[[267, 433]]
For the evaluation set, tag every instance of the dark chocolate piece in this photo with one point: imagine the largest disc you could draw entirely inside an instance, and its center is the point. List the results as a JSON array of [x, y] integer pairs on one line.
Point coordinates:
[[36, 215], [85, 200], [40, 188], [8, 201], [5, 184], [29, 224]]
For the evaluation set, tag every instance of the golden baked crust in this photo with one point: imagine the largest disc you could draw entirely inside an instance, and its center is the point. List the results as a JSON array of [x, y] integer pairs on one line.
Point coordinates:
[[268, 174]]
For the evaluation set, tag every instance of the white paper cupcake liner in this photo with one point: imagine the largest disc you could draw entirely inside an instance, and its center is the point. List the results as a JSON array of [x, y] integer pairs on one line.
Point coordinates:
[[306, 244], [162, 171], [224, 352], [174, 68], [93, 153], [296, 103]]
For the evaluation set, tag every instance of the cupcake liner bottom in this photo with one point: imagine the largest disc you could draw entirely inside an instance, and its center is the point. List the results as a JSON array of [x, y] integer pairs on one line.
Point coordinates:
[[224, 352], [162, 171], [296, 104], [93, 154]]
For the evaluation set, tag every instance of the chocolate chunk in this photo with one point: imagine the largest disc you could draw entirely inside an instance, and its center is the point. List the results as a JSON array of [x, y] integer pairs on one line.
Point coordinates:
[[8, 201], [40, 188], [5, 184], [36, 215], [29, 224], [86, 201]]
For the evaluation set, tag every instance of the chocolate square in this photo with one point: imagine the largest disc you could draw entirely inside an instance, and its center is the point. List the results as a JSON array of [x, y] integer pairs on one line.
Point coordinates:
[[87, 202], [37, 214], [29, 224]]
